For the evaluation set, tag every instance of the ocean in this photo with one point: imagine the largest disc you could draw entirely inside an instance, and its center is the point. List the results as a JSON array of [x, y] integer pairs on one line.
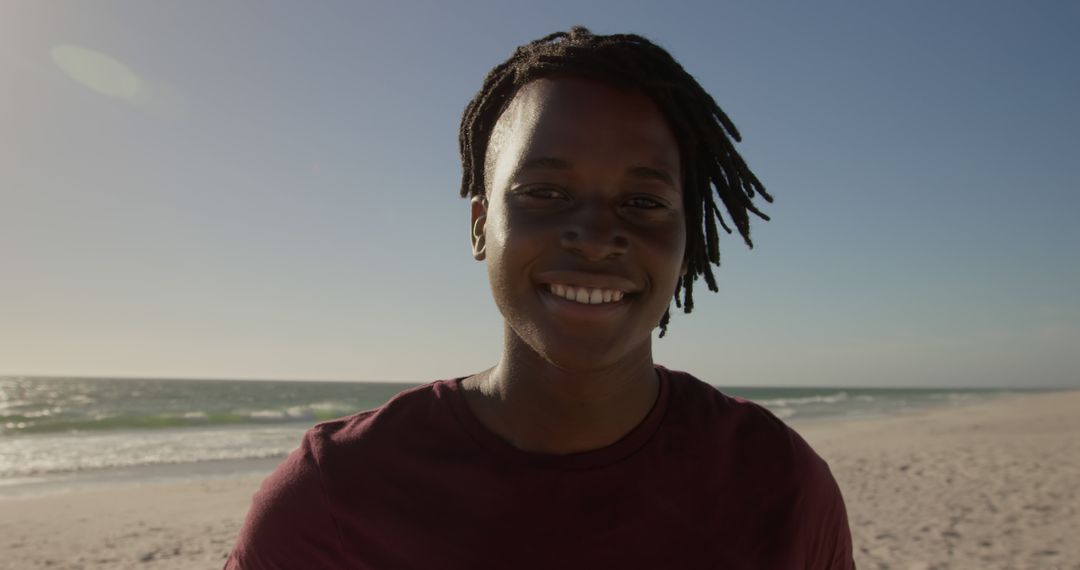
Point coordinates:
[[57, 432]]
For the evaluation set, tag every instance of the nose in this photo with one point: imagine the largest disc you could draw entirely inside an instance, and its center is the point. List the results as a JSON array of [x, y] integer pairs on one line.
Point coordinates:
[[594, 232]]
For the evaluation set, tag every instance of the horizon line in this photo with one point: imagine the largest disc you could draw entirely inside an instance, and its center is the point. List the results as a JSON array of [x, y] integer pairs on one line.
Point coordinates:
[[422, 382]]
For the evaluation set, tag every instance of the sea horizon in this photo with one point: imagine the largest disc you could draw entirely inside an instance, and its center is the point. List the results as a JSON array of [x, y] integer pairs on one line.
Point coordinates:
[[20, 375]]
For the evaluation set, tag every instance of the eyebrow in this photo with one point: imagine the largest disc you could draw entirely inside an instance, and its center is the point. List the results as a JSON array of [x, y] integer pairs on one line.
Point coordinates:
[[638, 172], [650, 173], [544, 162]]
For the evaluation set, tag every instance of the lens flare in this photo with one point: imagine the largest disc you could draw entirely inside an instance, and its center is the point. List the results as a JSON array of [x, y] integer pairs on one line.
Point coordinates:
[[98, 72]]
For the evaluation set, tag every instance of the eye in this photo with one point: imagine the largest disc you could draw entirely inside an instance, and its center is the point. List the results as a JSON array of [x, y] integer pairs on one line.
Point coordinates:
[[543, 193], [546, 192], [644, 203]]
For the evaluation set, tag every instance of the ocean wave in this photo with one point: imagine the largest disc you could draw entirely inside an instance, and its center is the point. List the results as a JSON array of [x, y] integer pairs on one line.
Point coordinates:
[[825, 399], [782, 413], [31, 471], [961, 397], [50, 454], [61, 421]]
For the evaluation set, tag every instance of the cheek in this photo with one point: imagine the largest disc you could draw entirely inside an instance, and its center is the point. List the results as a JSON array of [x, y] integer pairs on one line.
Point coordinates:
[[520, 236], [512, 245], [668, 250]]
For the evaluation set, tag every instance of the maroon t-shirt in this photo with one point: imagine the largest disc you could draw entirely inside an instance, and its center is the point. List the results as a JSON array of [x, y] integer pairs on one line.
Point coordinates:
[[705, 481]]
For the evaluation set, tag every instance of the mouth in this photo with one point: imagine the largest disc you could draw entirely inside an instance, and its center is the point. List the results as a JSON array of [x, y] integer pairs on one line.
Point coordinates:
[[585, 295], [584, 303]]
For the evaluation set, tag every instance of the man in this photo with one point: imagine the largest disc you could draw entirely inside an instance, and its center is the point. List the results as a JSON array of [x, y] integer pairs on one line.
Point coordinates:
[[592, 164]]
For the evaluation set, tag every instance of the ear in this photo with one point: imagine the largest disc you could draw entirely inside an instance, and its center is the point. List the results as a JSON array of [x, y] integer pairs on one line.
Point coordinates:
[[478, 222]]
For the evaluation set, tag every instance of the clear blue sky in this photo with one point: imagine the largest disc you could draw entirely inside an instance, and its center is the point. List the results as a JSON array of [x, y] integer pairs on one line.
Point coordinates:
[[269, 189]]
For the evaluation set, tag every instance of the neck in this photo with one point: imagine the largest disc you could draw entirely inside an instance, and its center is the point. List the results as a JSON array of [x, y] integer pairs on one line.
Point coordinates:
[[542, 407]]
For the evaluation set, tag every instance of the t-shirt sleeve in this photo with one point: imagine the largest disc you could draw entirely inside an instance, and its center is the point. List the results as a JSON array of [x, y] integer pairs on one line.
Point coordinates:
[[825, 517], [834, 549], [289, 524]]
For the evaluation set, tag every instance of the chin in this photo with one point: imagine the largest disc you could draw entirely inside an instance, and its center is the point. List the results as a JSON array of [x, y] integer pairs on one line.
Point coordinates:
[[574, 342], [584, 353]]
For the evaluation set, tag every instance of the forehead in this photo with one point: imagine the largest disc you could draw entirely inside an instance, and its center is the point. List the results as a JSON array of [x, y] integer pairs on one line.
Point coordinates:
[[584, 120], [574, 97]]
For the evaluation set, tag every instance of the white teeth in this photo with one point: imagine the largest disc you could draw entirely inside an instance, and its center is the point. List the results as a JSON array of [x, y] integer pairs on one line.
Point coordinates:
[[585, 295]]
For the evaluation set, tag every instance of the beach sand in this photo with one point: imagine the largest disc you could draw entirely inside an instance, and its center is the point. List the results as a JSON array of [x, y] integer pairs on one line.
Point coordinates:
[[990, 485], [994, 485]]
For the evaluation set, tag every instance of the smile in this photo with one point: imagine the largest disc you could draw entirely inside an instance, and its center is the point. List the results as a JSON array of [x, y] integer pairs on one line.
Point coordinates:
[[586, 295]]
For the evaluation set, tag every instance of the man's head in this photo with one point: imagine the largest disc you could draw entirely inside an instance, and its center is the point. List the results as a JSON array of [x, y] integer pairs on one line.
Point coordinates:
[[600, 153]]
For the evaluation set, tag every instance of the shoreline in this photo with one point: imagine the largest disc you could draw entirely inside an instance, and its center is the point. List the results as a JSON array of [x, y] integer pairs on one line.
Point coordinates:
[[142, 475], [35, 484], [991, 484]]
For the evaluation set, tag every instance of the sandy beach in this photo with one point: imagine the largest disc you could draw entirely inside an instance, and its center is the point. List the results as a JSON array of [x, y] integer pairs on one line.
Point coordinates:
[[990, 485], [993, 485]]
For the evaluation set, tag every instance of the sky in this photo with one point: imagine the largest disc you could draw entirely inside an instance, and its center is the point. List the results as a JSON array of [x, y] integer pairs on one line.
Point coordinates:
[[270, 189]]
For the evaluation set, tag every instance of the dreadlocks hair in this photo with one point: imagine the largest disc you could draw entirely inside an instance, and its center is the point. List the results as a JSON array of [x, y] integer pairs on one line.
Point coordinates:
[[704, 131]]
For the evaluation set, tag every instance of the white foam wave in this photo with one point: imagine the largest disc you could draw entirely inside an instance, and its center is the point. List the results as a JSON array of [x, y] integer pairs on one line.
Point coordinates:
[[829, 399], [300, 412], [62, 453], [782, 413]]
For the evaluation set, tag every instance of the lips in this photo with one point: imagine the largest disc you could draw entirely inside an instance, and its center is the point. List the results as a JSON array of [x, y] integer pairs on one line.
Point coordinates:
[[588, 281], [586, 295]]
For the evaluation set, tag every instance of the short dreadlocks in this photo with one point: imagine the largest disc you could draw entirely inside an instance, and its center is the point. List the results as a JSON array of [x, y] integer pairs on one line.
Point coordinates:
[[704, 132]]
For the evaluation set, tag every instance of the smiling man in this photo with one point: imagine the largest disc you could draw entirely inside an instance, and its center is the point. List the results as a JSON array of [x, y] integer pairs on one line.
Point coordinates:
[[592, 164]]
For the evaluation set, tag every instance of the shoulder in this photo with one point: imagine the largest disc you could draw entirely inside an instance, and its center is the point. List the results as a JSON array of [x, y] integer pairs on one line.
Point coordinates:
[[289, 521], [293, 521], [414, 420], [408, 409], [695, 394], [772, 460], [743, 427], [700, 404]]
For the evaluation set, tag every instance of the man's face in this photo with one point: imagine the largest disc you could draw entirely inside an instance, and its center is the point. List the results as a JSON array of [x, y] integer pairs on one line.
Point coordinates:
[[584, 201]]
